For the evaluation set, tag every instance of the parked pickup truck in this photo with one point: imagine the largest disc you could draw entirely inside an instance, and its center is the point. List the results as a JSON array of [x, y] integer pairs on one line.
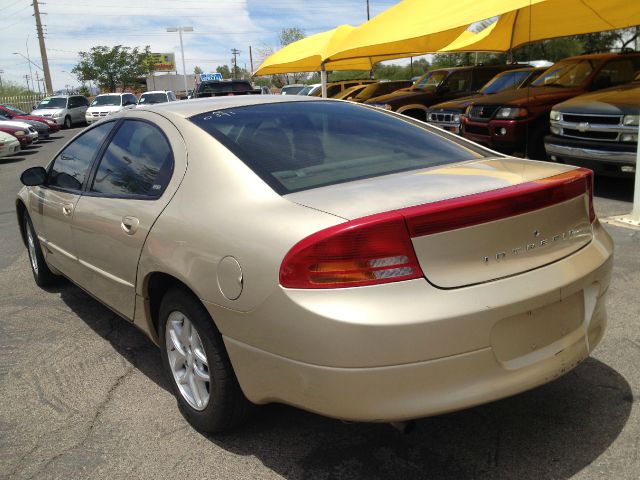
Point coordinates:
[[438, 86], [221, 88], [448, 115], [518, 120], [598, 130]]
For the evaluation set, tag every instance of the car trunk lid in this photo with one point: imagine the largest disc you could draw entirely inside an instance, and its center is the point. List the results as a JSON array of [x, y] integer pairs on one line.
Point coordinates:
[[477, 221]]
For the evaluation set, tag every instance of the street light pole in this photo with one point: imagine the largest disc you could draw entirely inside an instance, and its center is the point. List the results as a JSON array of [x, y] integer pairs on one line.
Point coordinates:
[[26, 44], [184, 68]]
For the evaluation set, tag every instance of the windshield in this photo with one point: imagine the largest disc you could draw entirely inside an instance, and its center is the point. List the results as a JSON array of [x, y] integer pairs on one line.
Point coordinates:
[[52, 102], [15, 110], [571, 73], [301, 145], [106, 100], [291, 89], [430, 79], [305, 90], [505, 81], [149, 98]]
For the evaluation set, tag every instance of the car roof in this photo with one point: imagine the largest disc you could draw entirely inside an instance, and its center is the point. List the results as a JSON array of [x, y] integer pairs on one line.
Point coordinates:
[[156, 91], [597, 56], [189, 108]]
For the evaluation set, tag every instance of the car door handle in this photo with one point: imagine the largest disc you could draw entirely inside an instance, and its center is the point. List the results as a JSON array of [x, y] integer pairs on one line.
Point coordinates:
[[67, 209], [130, 225]]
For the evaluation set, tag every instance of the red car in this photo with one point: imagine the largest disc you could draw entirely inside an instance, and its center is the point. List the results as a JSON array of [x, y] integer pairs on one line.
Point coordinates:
[[24, 140], [15, 113]]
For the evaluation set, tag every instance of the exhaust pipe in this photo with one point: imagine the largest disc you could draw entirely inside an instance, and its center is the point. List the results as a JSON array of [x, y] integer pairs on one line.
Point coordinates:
[[404, 427]]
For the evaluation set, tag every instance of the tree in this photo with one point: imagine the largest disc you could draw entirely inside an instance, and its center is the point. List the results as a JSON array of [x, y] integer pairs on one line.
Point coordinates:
[[113, 67], [224, 70], [197, 70]]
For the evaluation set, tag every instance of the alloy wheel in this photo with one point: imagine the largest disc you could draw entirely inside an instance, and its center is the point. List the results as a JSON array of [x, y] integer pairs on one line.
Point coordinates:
[[187, 360]]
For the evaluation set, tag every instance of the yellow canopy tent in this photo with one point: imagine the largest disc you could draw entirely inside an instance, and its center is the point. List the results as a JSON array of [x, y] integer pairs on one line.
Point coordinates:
[[310, 55], [549, 19], [415, 27], [307, 55]]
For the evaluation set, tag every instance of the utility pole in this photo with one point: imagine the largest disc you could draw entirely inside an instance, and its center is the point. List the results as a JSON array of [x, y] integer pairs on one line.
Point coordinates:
[[38, 82], [26, 79], [235, 52], [43, 49], [1, 72], [251, 60], [368, 15]]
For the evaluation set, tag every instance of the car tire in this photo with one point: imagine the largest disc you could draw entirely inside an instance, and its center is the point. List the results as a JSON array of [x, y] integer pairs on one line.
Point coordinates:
[[41, 273], [67, 122], [192, 349]]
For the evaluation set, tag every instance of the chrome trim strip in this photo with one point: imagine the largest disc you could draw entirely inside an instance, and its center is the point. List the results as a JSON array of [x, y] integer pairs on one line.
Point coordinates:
[[107, 275]]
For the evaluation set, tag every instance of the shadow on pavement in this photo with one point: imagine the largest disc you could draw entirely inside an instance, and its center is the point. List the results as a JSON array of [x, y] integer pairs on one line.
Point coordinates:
[[126, 339], [614, 188], [552, 432], [12, 159]]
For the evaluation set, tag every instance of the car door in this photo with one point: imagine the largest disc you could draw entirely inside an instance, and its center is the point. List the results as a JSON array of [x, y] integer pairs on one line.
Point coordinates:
[[52, 205], [136, 176]]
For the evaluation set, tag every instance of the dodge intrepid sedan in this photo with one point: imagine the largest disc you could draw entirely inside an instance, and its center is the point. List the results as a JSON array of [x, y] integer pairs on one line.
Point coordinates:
[[333, 256]]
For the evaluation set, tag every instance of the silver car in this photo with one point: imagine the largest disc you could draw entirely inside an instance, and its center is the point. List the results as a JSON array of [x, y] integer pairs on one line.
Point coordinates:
[[66, 110], [324, 254]]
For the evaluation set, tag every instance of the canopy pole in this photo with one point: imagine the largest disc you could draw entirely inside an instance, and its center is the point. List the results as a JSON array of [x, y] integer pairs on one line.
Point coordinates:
[[323, 80], [635, 212]]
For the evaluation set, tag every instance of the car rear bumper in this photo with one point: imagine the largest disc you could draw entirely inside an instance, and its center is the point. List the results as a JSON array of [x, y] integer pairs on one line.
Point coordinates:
[[407, 350], [602, 157]]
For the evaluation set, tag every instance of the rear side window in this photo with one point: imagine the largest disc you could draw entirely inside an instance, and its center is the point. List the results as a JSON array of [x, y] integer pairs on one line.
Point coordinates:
[[301, 145], [69, 170], [138, 162]]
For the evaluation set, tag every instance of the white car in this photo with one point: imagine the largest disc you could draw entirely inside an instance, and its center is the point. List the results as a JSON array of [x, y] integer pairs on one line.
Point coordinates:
[[108, 104], [64, 109], [28, 129], [156, 96], [9, 145]]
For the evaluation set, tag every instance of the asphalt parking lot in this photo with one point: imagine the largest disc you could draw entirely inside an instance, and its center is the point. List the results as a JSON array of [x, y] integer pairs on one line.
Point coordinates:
[[83, 395]]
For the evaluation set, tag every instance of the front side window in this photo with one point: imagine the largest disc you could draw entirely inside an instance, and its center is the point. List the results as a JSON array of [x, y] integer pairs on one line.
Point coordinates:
[[616, 72], [138, 162], [300, 145], [70, 168], [459, 81]]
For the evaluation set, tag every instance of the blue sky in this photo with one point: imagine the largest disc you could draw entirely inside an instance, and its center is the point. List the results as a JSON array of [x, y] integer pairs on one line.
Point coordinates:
[[219, 26]]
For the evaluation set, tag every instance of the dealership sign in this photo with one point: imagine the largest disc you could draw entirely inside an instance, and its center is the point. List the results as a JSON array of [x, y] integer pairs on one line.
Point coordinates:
[[163, 62], [208, 77]]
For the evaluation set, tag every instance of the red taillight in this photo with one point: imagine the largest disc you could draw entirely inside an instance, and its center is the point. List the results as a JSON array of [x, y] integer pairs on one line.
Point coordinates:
[[378, 249], [497, 204], [366, 251]]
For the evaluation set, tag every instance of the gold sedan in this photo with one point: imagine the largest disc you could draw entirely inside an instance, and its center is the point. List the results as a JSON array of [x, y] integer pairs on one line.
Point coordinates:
[[336, 257]]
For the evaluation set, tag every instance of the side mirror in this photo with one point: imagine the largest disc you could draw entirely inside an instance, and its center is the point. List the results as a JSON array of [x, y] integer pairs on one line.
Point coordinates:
[[33, 176]]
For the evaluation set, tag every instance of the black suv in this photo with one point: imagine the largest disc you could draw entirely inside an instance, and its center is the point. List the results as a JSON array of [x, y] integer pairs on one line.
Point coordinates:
[[221, 88], [438, 86]]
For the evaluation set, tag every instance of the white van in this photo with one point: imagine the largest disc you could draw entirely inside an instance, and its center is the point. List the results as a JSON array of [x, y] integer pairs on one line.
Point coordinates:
[[108, 103]]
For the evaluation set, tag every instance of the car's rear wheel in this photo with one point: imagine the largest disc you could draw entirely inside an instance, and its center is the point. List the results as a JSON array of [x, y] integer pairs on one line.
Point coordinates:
[[41, 273], [67, 122], [197, 364]]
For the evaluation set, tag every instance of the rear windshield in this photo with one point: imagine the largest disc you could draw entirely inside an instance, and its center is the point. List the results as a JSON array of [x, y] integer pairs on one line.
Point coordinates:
[[301, 145]]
